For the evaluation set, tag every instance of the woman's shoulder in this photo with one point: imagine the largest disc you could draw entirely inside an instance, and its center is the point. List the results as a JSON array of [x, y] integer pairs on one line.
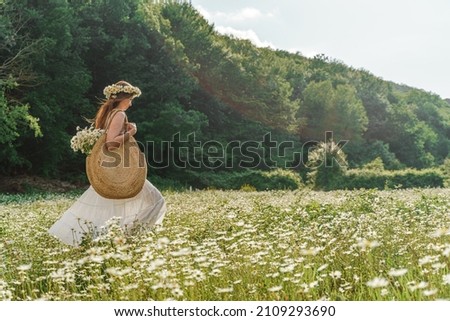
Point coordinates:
[[118, 114], [116, 117]]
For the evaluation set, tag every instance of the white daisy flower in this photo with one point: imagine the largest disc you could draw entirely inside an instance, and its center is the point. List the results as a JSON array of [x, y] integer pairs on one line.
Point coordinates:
[[398, 272], [377, 283], [275, 288]]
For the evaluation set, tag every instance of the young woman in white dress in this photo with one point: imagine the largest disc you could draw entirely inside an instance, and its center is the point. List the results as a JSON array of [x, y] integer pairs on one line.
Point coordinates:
[[89, 215]]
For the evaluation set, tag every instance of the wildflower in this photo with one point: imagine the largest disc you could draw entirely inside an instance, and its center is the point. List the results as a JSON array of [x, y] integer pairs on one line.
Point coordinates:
[[111, 91], [446, 279], [5, 294], [165, 274], [131, 287], [377, 283], [413, 286], [182, 252], [399, 272], [177, 292], [311, 251], [157, 262], [96, 258], [59, 274], [364, 244], [118, 272], [189, 283], [215, 272], [440, 232], [163, 241], [313, 284], [198, 275], [157, 286], [438, 266], [288, 268], [200, 259], [322, 267], [336, 274], [430, 292], [85, 139], [24, 267], [425, 260], [275, 288], [119, 240], [224, 290]]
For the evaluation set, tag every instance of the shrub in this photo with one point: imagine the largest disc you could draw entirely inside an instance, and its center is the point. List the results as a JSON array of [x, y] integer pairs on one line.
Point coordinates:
[[373, 178], [377, 165], [247, 188], [164, 183], [258, 180], [327, 163], [446, 172]]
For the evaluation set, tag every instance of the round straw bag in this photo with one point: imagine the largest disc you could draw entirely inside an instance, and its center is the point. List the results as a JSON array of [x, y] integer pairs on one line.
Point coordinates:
[[119, 173]]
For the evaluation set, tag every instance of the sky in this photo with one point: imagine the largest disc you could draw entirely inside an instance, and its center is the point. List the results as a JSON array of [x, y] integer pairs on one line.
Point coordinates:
[[407, 42]]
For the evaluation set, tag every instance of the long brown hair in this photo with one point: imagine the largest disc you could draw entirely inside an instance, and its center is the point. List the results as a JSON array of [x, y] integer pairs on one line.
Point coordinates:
[[108, 105]]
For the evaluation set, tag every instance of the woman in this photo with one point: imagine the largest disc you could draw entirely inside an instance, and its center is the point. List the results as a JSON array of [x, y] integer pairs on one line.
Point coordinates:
[[89, 215]]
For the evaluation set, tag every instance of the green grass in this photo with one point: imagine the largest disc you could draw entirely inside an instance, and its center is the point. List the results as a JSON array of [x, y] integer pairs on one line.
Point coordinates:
[[236, 245]]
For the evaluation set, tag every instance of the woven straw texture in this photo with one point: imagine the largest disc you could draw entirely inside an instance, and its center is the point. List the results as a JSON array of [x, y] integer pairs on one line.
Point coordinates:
[[119, 173]]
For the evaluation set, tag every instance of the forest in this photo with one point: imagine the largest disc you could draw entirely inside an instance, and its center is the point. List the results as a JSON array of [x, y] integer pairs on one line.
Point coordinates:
[[215, 110]]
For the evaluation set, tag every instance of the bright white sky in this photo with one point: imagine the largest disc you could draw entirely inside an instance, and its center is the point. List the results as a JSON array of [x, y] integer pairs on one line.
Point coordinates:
[[405, 41]]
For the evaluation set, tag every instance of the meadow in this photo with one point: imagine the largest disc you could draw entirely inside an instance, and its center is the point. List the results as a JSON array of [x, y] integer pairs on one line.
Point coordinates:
[[238, 245]]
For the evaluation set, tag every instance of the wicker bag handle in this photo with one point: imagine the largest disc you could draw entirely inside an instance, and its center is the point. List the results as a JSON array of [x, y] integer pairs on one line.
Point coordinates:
[[110, 117]]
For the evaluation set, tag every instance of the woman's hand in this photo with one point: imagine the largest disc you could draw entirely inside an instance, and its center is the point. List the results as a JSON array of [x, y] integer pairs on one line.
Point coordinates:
[[131, 128]]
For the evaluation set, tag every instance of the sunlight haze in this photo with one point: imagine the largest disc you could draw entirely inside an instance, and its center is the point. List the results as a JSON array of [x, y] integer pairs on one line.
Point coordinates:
[[400, 41]]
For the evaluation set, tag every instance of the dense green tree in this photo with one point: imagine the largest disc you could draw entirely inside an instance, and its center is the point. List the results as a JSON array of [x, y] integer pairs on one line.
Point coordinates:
[[410, 138], [338, 110], [373, 94], [435, 113], [15, 120], [62, 80], [57, 56], [17, 48]]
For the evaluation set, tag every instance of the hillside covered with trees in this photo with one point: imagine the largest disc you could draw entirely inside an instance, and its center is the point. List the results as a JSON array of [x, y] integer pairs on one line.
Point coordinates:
[[201, 91]]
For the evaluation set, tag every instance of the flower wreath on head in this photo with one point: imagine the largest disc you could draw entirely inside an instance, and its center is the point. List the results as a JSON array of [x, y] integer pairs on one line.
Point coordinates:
[[111, 91]]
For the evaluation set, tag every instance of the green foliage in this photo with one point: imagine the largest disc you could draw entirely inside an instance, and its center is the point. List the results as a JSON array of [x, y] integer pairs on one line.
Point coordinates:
[[446, 171], [364, 152], [166, 184], [248, 188], [375, 165], [327, 163], [383, 179], [412, 139], [372, 175], [259, 180], [61, 54], [326, 108], [15, 119]]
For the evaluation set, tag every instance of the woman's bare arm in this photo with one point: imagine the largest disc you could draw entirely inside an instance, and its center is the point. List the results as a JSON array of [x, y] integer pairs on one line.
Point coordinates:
[[115, 138]]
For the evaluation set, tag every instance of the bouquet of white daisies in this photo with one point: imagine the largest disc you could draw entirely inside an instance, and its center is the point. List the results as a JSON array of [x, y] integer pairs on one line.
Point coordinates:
[[85, 139]]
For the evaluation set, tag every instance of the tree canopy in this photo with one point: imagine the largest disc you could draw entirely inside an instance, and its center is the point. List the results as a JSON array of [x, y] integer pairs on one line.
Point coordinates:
[[57, 56]]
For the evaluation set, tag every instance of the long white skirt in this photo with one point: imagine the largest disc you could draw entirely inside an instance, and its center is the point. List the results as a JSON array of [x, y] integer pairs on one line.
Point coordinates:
[[90, 213]]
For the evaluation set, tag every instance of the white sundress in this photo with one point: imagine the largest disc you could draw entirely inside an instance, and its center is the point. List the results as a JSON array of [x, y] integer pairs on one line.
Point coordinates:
[[90, 213]]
